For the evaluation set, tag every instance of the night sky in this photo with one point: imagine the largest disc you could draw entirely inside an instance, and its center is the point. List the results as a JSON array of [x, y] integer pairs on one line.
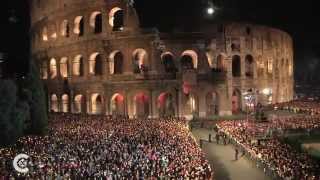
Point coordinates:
[[298, 18]]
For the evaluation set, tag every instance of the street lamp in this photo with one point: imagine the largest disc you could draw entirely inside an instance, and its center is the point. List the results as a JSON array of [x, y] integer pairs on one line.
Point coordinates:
[[210, 10]]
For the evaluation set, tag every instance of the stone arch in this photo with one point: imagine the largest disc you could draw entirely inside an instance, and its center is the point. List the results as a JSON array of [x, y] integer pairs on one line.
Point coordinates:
[[212, 103], [53, 68], [189, 60], [141, 105], [165, 104], [64, 67], [168, 62], [236, 101], [96, 22], [79, 104], [96, 103], [191, 104], [54, 103], [77, 66], [116, 62], [249, 66], [220, 62], [65, 103], [140, 60], [116, 19], [45, 34], [95, 64], [236, 66], [117, 104], [65, 28], [79, 26]]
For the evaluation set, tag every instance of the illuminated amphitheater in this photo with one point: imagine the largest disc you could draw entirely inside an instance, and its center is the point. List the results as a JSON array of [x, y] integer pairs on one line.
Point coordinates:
[[94, 58]]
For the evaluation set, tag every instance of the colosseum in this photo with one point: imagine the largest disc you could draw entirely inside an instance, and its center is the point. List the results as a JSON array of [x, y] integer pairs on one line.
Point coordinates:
[[95, 58]]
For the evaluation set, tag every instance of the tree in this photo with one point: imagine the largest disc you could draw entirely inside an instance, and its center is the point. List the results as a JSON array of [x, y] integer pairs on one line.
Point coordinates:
[[13, 113], [37, 101]]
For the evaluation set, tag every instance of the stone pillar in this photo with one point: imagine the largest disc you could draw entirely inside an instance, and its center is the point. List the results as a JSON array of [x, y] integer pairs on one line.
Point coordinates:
[[71, 100], [88, 99]]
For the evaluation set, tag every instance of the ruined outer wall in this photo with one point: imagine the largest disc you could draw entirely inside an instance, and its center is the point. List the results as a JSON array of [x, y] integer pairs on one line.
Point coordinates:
[[271, 51]]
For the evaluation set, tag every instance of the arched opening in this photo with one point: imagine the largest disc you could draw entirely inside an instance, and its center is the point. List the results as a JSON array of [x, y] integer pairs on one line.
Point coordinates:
[[53, 68], [96, 22], [249, 66], [45, 34], [65, 103], [236, 101], [165, 105], [116, 62], [236, 66], [77, 66], [65, 29], [64, 67], [140, 58], [117, 104], [220, 63], [54, 103], [44, 70], [189, 60], [96, 104], [95, 64], [141, 105], [168, 62], [79, 26], [53, 30], [212, 103], [79, 104], [190, 105], [116, 19]]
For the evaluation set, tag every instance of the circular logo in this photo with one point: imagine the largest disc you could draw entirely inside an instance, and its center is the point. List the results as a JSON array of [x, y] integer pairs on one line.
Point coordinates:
[[20, 163]]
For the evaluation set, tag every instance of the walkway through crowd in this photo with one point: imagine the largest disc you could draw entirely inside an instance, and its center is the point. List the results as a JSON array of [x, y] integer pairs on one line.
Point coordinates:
[[222, 158]]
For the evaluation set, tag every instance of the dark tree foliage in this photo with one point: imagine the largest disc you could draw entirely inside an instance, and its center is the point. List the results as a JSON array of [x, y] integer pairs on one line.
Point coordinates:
[[33, 88], [13, 113]]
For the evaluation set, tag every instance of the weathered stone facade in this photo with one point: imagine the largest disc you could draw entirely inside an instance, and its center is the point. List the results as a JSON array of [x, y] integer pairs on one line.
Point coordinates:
[[94, 58]]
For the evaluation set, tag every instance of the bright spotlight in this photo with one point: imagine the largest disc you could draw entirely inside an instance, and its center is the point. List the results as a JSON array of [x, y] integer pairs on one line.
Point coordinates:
[[210, 10]]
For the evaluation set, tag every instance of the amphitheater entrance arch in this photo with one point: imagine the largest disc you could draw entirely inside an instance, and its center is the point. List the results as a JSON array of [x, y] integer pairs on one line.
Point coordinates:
[[212, 102], [117, 104], [116, 19], [54, 103], [168, 62], [236, 101], [116, 62], [189, 60], [249, 65], [79, 104], [140, 58], [165, 105], [96, 104], [236, 66], [96, 22], [190, 107], [65, 103], [77, 66], [141, 105]]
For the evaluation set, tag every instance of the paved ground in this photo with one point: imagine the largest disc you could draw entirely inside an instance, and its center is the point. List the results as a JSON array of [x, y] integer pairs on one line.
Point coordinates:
[[222, 159]]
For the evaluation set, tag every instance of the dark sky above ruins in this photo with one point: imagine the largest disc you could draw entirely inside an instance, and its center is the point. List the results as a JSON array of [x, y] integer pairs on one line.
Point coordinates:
[[299, 18]]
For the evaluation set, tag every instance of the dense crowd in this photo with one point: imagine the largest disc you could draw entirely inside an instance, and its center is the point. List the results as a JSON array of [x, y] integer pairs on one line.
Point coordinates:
[[278, 156], [300, 106], [101, 147]]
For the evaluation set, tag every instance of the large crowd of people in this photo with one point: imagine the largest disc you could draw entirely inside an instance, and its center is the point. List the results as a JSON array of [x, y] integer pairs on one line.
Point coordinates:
[[300, 106], [285, 161], [104, 147]]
